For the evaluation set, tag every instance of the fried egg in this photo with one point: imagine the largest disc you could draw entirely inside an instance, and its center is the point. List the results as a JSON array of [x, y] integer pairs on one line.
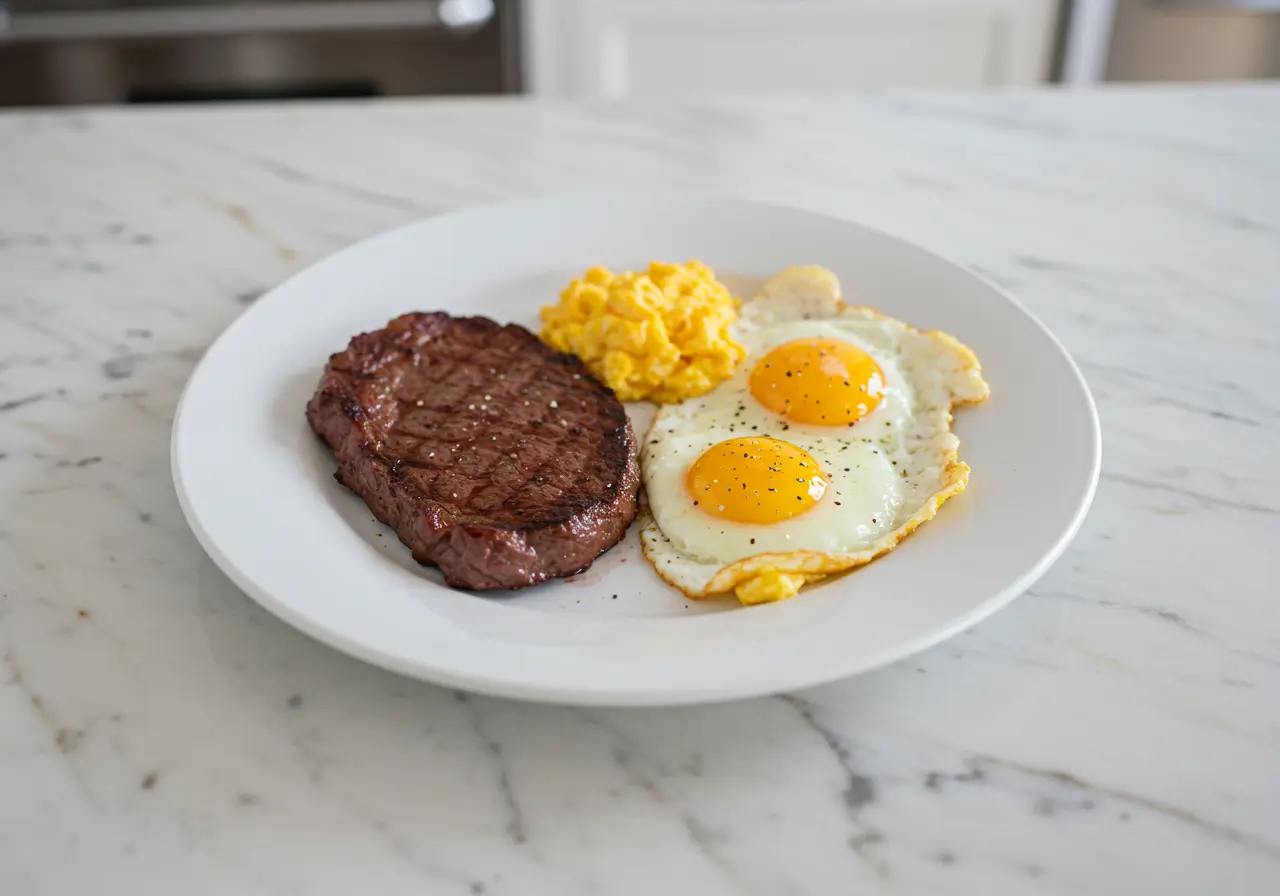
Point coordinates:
[[828, 445]]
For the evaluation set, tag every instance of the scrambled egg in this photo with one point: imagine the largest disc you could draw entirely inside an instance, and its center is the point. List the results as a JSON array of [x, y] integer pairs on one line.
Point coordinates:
[[660, 335]]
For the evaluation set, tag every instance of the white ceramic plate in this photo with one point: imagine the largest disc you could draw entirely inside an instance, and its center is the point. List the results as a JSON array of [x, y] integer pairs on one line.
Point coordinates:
[[258, 490]]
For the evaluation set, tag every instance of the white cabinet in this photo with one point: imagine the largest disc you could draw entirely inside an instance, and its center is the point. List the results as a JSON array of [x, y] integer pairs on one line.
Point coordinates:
[[662, 48]]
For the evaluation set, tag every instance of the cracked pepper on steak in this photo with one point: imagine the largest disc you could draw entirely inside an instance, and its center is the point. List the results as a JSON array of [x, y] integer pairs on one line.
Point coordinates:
[[497, 459]]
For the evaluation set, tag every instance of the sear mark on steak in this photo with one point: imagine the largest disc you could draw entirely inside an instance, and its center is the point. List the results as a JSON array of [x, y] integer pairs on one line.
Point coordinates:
[[495, 458]]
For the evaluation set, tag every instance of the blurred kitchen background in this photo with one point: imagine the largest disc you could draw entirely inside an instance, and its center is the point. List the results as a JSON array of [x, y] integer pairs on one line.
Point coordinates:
[[146, 51]]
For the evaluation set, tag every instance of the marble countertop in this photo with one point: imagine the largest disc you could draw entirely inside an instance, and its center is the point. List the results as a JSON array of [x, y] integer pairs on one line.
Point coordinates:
[[1116, 730]]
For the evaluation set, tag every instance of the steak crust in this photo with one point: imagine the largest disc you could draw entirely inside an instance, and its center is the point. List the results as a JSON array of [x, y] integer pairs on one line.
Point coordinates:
[[495, 458]]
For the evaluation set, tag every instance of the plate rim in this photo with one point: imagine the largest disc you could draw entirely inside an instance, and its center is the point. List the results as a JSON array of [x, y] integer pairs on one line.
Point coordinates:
[[587, 694]]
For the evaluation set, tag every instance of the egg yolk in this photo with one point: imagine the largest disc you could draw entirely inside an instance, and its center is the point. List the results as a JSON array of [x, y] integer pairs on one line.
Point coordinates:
[[825, 382], [755, 480]]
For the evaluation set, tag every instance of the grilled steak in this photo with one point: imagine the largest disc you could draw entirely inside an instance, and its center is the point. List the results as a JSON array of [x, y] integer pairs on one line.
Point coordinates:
[[495, 458]]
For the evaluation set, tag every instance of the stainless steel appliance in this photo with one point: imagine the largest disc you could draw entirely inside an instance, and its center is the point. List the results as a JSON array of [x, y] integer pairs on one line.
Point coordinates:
[[1194, 40], [137, 51]]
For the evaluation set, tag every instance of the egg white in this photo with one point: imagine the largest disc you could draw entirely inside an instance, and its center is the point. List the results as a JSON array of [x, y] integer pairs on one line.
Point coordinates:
[[863, 487], [887, 473]]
